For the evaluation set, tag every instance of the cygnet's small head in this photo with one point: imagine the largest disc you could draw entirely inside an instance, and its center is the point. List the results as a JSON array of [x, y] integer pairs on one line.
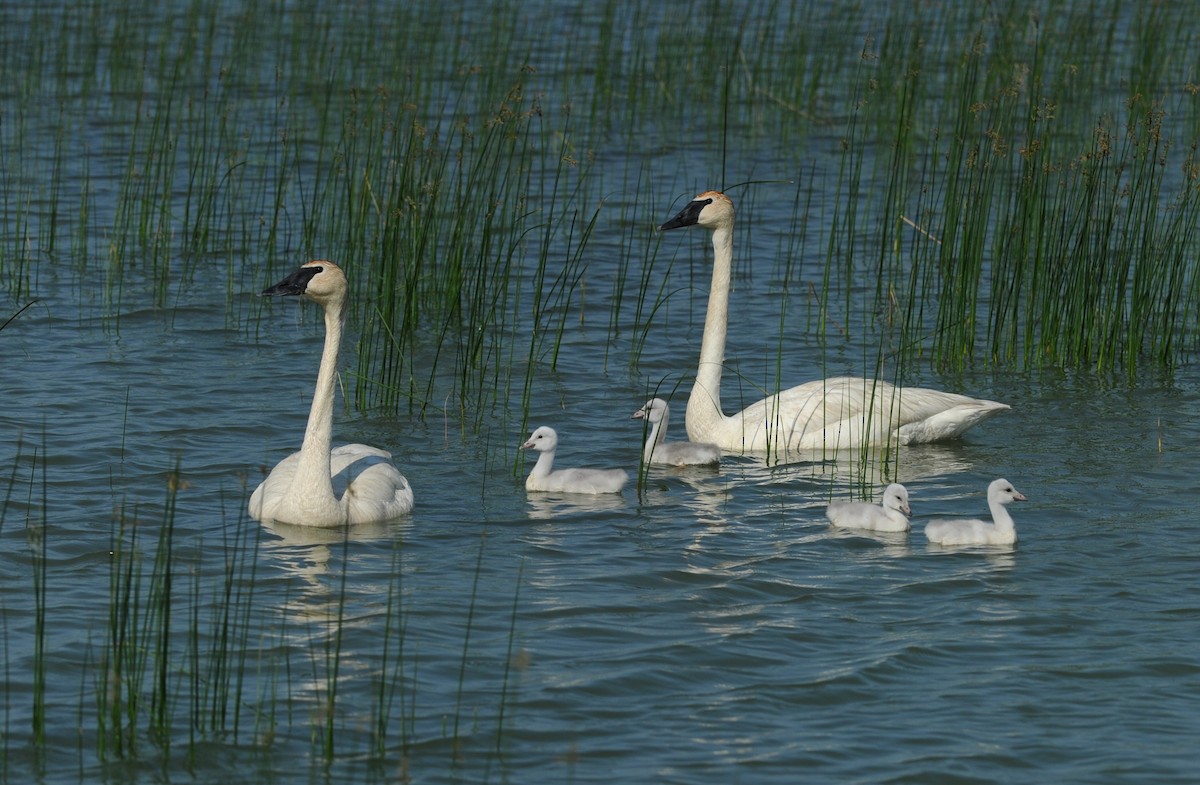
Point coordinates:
[[1002, 491], [710, 210], [896, 498], [321, 281], [654, 411], [543, 439]]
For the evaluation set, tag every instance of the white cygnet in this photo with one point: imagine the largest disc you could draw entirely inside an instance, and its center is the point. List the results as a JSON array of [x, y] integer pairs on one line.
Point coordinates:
[[663, 453], [542, 478], [1000, 531], [889, 516]]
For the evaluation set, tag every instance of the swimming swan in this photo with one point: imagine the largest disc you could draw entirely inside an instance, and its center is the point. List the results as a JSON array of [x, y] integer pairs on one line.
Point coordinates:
[[659, 451], [975, 532], [889, 516], [318, 486], [837, 413], [545, 441]]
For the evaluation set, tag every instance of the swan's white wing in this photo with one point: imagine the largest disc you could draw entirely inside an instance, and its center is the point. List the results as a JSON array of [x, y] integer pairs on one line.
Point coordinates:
[[274, 488], [846, 412], [958, 532], [862, 515], [854, 515], [686, 454], [368, 483], [581, 481]]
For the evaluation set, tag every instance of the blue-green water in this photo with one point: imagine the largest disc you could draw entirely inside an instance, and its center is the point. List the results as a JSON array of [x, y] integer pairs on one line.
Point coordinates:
[[710, 628]]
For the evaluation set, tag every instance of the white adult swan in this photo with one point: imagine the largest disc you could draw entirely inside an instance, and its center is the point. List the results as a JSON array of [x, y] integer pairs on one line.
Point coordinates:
[[838, 413], [545, 441], [889, 516], [976, 532], [663, 453], [318, 486]]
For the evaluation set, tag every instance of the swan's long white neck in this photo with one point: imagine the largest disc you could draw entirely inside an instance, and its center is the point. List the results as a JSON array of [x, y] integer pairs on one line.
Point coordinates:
[[1000, 516], [704, 405], [658, 434], [312, 486], [545, 463]]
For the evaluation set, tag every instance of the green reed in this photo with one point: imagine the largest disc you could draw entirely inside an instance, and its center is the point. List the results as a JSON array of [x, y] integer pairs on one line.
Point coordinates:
[[454, 282], [220, 672], [512, 660], [390, 684], [326, 711], [1041, 241], [389, 162], [38, 535], [132, 685], [640, 261], [6, 727]]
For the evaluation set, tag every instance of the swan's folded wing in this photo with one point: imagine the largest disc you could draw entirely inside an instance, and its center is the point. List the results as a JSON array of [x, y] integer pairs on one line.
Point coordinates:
[[957, 532], [373, 487], [847, 412], [273, 488], [824, 414], [686, 454], [582, 481]]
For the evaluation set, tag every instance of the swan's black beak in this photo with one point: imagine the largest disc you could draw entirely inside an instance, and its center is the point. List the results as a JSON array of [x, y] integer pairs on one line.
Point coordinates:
[[688, 216], [296, 283]]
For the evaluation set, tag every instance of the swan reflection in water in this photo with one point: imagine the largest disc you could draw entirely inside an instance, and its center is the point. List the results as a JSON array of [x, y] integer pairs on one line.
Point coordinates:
[[545, 506], [317, 609], [319, 605]]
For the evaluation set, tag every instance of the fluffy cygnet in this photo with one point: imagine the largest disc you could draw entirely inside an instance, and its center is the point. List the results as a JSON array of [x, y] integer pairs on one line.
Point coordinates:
[[659, 451], [1000, 531], [889, 516], [542, 478]]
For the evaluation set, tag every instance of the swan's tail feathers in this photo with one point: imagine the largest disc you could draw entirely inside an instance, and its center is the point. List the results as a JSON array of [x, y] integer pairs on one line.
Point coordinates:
[[950, 423]]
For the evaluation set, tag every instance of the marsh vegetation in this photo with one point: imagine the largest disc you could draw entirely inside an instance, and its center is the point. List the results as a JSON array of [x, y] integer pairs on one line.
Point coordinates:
[[925, 191]]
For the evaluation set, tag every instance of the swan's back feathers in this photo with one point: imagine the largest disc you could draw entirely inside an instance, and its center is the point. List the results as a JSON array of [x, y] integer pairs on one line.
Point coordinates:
[[372, 488], [848, 412], [862, 515], [968, 532], [579, 481], [684, 454]]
